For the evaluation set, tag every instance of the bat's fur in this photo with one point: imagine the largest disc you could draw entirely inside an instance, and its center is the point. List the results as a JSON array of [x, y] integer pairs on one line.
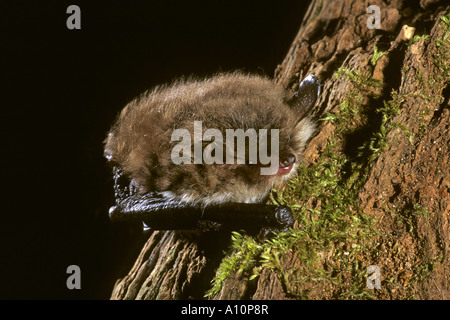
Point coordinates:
[[140, 140]]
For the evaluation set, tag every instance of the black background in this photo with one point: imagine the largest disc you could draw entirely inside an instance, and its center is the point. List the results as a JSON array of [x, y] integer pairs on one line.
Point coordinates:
[[62, 89]]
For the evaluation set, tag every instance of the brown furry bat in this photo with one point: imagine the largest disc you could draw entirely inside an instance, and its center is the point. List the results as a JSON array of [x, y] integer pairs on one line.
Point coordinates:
[[176, 194]]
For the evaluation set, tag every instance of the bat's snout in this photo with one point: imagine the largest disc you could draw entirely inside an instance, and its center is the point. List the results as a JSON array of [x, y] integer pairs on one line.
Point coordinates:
[[286, 164]]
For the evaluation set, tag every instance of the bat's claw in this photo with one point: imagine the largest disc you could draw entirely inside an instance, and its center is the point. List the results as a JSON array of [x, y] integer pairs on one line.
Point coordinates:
[[283, 221], [284, 217], [115, 213]]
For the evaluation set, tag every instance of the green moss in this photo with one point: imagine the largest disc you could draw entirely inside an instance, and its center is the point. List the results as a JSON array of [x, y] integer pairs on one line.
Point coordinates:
[[363, 81], [442, 57], [417, 38], [423, 271], [408, 216], [245, 256], [377, 55], [434, 80]]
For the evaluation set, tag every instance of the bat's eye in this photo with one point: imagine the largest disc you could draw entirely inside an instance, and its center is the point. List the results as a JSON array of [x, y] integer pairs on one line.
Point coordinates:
[[287, 161]]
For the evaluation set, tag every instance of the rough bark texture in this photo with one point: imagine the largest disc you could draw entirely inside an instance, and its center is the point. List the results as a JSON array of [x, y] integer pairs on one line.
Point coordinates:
[[407, 181], [172, 265]]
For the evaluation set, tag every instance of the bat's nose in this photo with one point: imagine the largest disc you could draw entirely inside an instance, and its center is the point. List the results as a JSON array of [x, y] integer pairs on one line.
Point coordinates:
[[287, 161], [286, 165]]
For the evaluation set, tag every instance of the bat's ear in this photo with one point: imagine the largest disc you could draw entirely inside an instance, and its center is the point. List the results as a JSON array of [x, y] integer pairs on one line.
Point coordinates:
[[306, 96]]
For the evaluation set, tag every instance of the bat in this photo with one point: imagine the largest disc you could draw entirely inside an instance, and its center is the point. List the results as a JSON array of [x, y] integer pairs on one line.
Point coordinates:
[[202, 154]]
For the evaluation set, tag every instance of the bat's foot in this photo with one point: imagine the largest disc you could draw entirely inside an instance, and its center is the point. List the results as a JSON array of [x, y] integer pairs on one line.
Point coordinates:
[[284, 217], [283, 220]]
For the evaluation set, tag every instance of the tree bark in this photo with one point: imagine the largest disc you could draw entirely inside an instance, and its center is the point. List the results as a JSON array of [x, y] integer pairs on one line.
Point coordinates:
[[412, 169]]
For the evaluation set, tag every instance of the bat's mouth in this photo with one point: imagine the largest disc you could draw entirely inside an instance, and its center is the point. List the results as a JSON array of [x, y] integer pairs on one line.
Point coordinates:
[[286, 165]]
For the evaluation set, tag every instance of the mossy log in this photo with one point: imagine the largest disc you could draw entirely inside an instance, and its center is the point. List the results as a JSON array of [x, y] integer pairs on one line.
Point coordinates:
[[400, 82]]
